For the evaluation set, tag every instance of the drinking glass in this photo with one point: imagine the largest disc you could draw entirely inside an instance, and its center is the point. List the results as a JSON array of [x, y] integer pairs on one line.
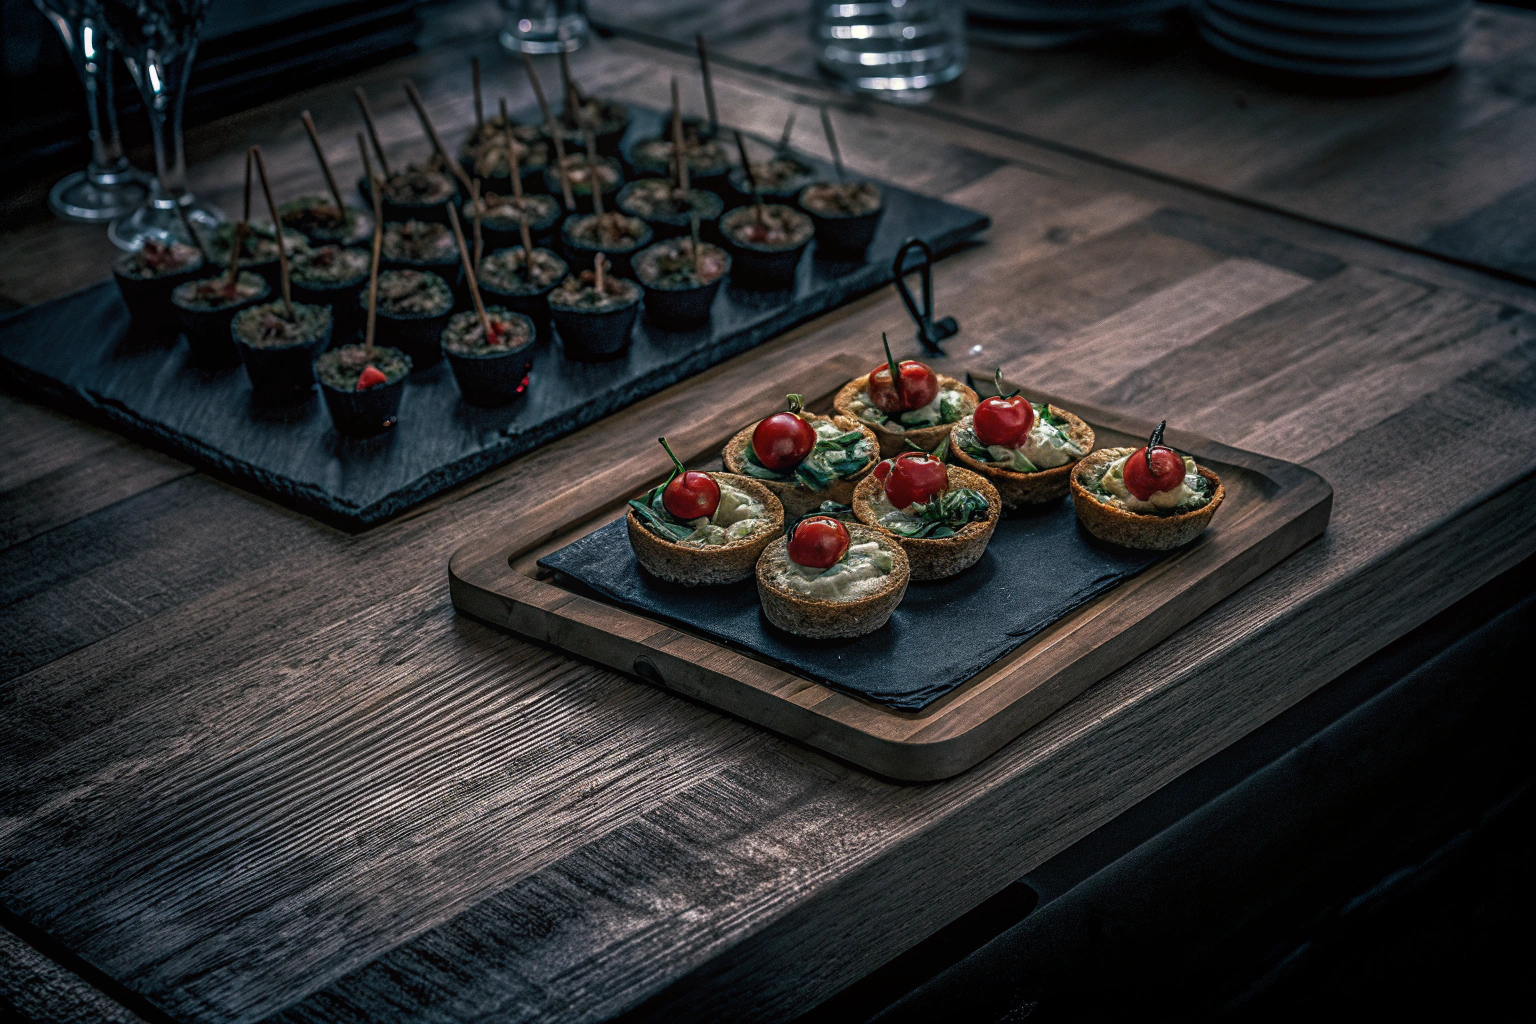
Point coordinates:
[[543, 26], [109, 186], [897, 48], [157, 40]]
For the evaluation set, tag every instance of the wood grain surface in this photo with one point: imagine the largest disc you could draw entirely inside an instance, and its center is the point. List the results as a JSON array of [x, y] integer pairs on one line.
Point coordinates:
[[253, 768]]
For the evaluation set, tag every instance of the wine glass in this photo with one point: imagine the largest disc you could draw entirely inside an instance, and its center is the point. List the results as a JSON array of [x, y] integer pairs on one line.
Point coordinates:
[[157, 40], [109, 186]]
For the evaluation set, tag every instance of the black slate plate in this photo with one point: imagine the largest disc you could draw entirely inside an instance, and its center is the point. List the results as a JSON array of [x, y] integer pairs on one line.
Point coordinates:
[[78, 351], [1039, 566]]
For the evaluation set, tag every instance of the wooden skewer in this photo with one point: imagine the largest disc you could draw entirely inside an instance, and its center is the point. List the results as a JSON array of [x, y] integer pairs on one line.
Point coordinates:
[[789, 126], [277, 230], [378, 247], [746, 168], [837, 156], [698, 255], [572, 110], [474, 74], [592, 176], [325, 166], [469, 273], [679, 151], [514, 170], [197, 240], [474, 198], [234, 255], [599, 269], [373, 132], [554, 134], [522, 224], [431, 130], [709, 87]]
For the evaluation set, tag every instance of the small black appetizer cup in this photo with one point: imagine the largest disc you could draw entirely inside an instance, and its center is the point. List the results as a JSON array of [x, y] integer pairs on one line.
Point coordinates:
[[435, 212], [680, 308], [284, 374], [149, 298], [590, 337], [844, 235], [532, 303], [757, 266], [583, 255], [494, 378], [418, 335], [208, 329], [343, 298], [708, 205], [584, 199], [499, 232], [369, 412]]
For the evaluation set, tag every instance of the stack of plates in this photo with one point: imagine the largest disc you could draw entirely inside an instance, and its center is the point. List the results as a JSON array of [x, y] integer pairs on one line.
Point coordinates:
[[1338, 38], [1032, 23]]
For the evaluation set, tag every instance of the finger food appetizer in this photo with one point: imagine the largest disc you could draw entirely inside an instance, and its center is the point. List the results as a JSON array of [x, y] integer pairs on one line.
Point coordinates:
[[779, 180], [828, 580], [905, 403], [803, 458], [667, 209], [416, 193], [595, 313], [490, 370], [616, 235], [422, 245], [708, 163], [331, 276], [278, 343], [414, 306], [1026, 450], [149, 274], [208, 305], [520, 283], [1151, 498], [488, 158], [501, 217], [942, 516], [607, 120], [680, 278], [362, 386], [846, 214], [765, 241], [258, 249], [699, 529], [318, 220], [579, 172]]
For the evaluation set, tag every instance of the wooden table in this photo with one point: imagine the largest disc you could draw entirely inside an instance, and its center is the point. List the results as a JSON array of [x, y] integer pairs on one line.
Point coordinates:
[[254, 768]]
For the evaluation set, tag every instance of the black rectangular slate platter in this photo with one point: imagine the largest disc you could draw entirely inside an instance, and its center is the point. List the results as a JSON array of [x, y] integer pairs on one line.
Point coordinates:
[[78, 351], [1039, 566]]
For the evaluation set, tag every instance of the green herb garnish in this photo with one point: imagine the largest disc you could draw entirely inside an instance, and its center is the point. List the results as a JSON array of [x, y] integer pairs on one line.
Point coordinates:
[[942, 517]]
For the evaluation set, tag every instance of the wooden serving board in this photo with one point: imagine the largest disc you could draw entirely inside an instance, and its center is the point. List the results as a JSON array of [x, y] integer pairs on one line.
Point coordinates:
[[1272, 508]]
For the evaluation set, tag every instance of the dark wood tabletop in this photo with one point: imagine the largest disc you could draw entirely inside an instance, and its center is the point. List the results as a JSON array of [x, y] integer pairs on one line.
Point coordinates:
[[256, 768]]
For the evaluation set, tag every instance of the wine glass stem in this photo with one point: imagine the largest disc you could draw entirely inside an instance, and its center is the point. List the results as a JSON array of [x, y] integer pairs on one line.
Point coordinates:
[[96, 74], [163, 101]]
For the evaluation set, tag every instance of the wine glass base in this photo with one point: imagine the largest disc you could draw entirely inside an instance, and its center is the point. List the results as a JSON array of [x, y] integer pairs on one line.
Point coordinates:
[[158, 220], [77, 197]]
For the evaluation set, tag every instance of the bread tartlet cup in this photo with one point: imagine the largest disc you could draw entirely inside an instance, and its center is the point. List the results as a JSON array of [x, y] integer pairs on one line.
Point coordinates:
[[893, 442], [798, 499], [1019, 489], [935, 558], [694, 566], [1140, 530], [821, 618]]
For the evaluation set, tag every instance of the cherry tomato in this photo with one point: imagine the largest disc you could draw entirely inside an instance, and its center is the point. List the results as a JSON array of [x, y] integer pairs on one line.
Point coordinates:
[[782, 440], [818, 542], [691, 495], [917, 476], [1004, 421], [371, 376], [919, 386], [883, 469], [1167, 472]]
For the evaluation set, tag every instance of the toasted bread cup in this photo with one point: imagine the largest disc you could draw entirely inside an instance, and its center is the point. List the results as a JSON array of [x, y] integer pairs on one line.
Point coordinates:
[[819, 618], [1137, 529], [797, 498], [934, 558], [1019, 489], [894, 442], [703, 566]]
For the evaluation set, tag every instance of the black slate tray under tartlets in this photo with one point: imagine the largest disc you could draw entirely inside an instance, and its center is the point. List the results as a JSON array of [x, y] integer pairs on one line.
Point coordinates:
[[1039, 566], [81, 352]]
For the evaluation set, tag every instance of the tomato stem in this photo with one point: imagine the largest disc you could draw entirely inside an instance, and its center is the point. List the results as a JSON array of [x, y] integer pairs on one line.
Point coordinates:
[[997, 382], [1155, 441], [675, 460], [895, 370], [795, 403]]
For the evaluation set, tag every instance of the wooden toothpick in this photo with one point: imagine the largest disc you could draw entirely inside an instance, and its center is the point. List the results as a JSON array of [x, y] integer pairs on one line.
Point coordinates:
[[746, 168], [431, 130], [789, 126], [469, 273], [325, 166], [592, 177], [600, 269], [474, 199], [554, 134], [522, 224], [474, 74], [277, 230], [378, 247], [837, 156], [572, 110], [679, 152], [698, 255], [197, 239], [514, 169], [373, 131], [709, 87], [234, 255]]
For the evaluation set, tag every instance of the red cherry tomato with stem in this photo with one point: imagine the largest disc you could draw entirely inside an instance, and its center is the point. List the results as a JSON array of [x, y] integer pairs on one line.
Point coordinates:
[[818, 542], [782, 441], [916, 476], [1003, 421], [1153, 468], [371, 377], [915, 384], [689, 494]]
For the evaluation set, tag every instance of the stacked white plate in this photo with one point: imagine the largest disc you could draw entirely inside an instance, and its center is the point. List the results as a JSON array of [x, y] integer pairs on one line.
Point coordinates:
[[1031, 23], [1338, 38]]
